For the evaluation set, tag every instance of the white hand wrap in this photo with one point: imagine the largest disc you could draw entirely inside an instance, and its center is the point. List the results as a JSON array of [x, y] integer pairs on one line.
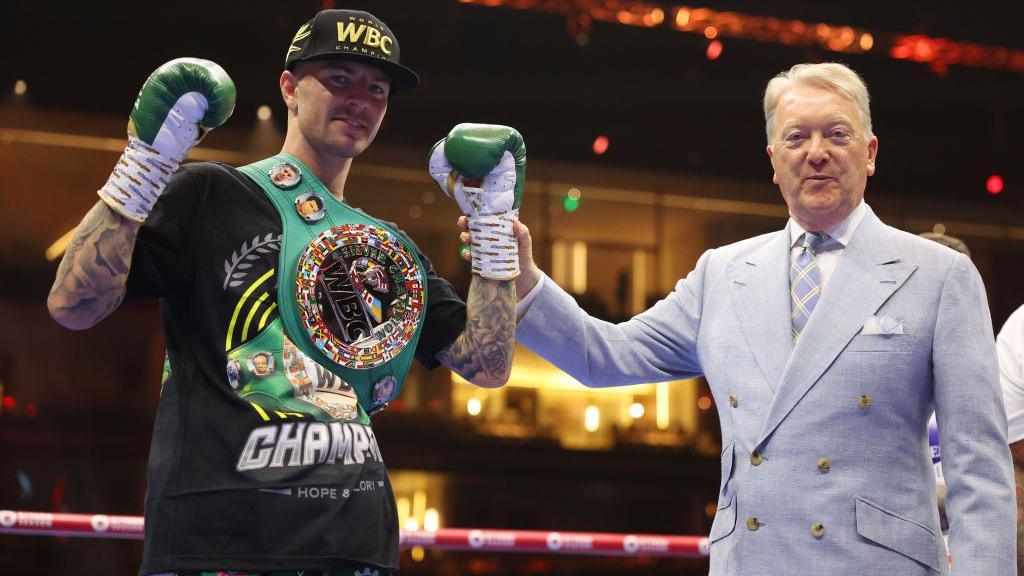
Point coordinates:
[[494, 247], [138, 179], [490, 214], [142, 172]]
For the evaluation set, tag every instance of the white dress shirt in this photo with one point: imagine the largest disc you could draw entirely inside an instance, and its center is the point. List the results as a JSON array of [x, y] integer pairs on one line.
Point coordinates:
[[1010, 346], [523, 305], [841, 232]]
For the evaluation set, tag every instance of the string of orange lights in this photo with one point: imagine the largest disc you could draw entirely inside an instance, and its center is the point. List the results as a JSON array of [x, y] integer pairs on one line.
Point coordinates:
[[938, 53]]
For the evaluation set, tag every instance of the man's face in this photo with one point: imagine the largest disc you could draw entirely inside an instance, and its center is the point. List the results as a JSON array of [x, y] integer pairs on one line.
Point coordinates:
[[821, 154], [339, 105], [260, 364], [308, 207], [283, 175]]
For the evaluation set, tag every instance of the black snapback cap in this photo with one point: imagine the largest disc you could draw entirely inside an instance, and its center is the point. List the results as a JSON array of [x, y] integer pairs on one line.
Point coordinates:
[[350, 35]]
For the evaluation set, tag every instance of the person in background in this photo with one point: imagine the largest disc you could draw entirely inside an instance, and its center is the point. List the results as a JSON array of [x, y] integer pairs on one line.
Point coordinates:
[[1010, 347]]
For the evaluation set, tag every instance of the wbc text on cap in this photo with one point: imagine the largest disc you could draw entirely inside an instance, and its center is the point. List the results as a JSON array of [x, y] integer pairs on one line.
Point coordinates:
[[354, 35], [349, 34]]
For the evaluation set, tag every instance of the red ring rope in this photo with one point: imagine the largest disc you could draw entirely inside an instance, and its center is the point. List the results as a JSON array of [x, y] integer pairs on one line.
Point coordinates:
[[537, 541]]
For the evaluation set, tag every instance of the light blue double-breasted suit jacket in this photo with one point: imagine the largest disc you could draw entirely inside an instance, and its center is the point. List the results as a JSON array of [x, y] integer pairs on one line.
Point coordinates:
[[826, 467]]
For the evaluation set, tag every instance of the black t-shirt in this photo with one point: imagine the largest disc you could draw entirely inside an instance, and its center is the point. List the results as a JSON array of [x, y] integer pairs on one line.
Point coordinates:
[[209, 252]]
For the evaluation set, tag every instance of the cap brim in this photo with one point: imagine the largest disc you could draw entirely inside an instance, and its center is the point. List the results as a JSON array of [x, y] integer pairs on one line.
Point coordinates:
[[402, 77]]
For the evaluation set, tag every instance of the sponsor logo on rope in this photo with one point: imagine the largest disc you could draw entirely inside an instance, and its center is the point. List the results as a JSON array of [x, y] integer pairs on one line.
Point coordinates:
[[490, 539], [8, 518], [27, 519], [100, 522], [558, 541], [632, 544], [418, 538]]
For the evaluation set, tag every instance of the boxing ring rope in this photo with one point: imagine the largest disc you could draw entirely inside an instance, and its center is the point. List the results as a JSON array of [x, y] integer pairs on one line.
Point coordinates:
[[459, 539]]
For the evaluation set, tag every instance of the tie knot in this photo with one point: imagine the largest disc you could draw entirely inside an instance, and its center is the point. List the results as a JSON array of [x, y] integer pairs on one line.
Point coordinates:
[[813, 241]]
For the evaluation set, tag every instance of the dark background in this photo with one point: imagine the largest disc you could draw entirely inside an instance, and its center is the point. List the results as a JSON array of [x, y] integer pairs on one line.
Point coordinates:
[[666, 109], [652, 91]]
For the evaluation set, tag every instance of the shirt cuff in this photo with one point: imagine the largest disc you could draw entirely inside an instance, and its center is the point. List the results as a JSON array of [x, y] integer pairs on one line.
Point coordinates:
[[524, 305]]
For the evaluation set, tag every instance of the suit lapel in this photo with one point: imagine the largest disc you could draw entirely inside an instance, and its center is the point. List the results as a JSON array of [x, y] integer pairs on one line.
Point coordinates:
[[868, 273], [760, 294]]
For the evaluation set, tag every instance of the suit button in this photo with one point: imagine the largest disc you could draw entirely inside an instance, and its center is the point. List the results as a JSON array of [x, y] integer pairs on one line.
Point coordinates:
[[753, 524], [732, 401], [865, 401], [817, 530], [756, 458], [824, 465]]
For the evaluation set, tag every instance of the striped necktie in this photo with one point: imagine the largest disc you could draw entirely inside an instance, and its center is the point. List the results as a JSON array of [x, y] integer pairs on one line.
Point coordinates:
[[805, 280]]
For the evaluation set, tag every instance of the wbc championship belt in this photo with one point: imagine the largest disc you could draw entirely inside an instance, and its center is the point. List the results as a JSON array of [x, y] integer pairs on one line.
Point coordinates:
[[351, 291]]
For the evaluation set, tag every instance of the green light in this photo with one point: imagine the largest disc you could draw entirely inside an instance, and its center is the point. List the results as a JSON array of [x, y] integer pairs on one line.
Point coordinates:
[[570, 204]]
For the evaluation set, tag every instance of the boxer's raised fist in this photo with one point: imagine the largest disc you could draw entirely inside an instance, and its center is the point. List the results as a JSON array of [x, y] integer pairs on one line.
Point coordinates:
[[179, 103], [483, 167]]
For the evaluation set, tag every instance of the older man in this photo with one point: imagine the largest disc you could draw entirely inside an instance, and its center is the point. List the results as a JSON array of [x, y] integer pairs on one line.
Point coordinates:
[[826, 345]]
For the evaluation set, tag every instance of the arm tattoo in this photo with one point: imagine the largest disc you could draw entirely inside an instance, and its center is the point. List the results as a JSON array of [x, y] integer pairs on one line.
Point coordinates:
[[91, 278], [482, 354]]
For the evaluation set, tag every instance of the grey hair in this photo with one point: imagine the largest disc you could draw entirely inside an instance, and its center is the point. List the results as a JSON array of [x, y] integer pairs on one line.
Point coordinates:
[[832, 76]]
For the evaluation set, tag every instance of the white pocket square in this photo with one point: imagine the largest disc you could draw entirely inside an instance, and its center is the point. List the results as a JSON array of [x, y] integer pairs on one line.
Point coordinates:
[[884, 325]]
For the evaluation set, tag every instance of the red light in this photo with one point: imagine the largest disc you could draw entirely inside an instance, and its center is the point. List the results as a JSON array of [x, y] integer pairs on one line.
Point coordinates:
[[714, 49], [994, 184], [600, 145], [9, 402], [31, 411], [924, 51]]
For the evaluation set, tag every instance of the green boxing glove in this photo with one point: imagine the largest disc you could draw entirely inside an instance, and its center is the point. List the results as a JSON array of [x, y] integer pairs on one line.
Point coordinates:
[[483, 167], [179, 103]]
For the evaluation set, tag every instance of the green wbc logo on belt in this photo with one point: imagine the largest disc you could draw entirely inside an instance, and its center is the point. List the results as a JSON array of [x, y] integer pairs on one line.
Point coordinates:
[[352, 291], [360, 294]]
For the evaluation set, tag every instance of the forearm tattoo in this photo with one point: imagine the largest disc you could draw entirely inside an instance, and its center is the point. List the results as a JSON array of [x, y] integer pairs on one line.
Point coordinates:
[[482, 354], [91, 278]]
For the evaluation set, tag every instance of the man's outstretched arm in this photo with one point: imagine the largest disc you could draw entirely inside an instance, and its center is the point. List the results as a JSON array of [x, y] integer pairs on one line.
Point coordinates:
[[655, 346]]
